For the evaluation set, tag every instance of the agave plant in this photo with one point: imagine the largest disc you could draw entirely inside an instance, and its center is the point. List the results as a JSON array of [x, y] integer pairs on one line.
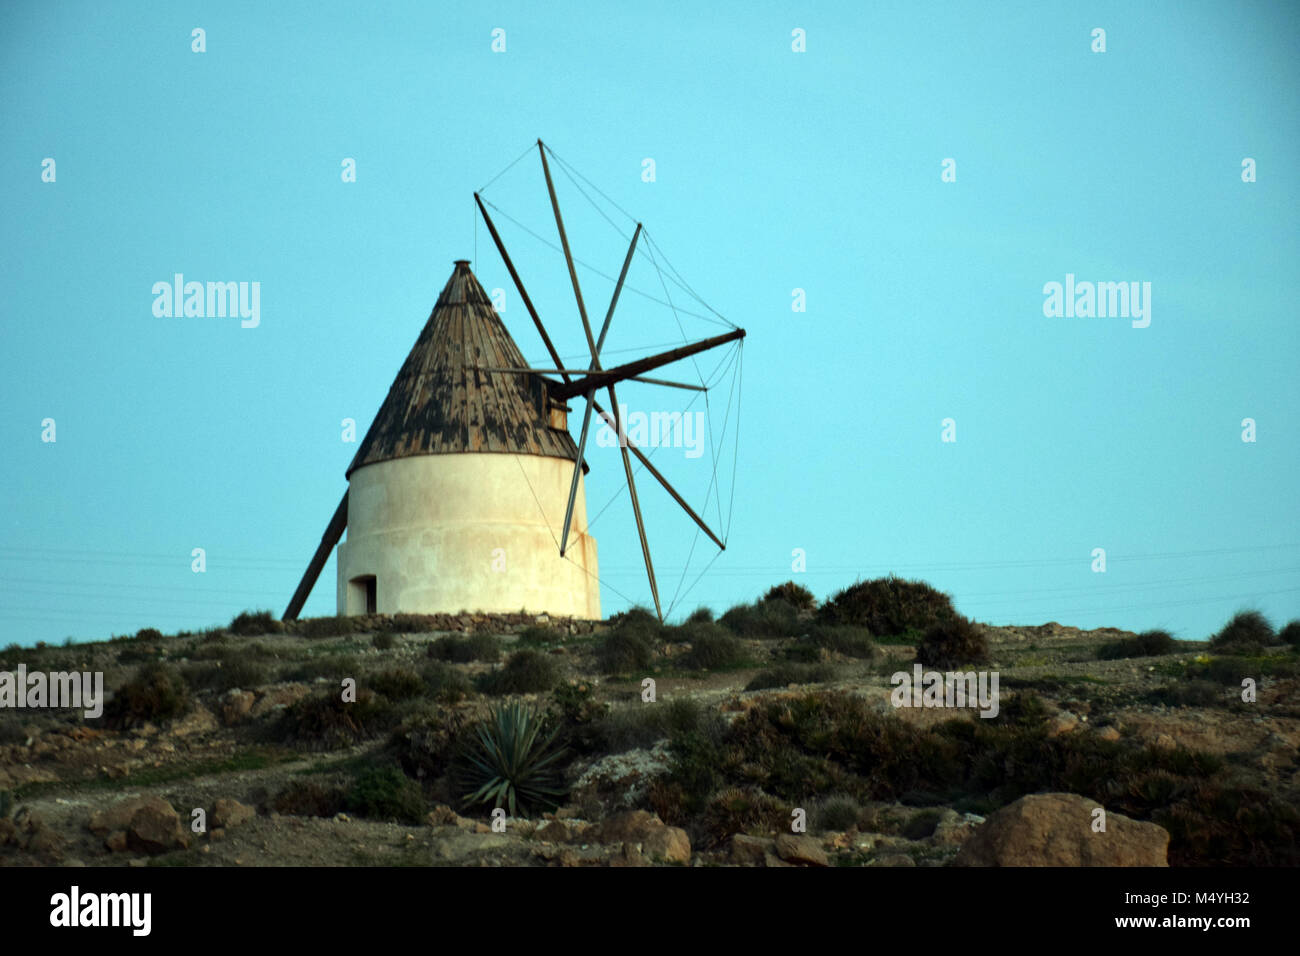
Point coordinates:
[[511, 761]]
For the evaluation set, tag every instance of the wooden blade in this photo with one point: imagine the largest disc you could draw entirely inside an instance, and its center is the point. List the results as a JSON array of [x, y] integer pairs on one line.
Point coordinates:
[[568, 258], [636, 506], [333, 531], [595, 363], [519, 285], [573, 485], [623, 439]]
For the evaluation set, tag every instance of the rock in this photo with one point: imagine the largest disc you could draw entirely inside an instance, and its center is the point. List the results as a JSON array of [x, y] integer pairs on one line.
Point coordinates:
[[670, 844], [217, 834], [8, 832], [1063, 723], [155, 828], [116, 841], [235, 706], [771, 859], [800, 849], [1107, 733], [628, 827], [118, 816], [953, 828], [554, 832], [229, 814], [895, 859], [628, 855], [749, 850], [1055, 829]]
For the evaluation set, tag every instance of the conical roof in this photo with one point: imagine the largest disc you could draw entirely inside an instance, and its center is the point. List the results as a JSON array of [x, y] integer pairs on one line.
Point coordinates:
[[443, 403]]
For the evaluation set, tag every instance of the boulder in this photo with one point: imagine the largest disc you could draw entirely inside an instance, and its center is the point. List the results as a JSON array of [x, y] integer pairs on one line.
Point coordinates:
[[670, 844], [231, 813], [749, 850], [118, 816], [235, 706], [155, 828], [628, 827], [800, 849], [1055, 829]]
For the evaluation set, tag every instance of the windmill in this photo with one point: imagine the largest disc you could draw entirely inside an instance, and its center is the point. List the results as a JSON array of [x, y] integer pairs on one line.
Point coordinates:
[[429, 485]]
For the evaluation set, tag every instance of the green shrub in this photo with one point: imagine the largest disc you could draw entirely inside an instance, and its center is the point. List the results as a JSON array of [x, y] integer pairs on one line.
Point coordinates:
[[701, 615], [624, 651], [888, 606], [804, 652], [712, 648], [385, 793], [1147, 644], [333, 667], [527, 672], [252, 623], [462, 650], [576, 704], [1024, 709], [695, 740], [1192, 693], [397, 683], [951, 643], [148, 634], [446, 683], [844, 639], [228, 675], [635, 616], [794, 594], [739, 810], [321, 627], [310, 798], [1249, 632], [511, 761], [768, 618], [535, 635], [326, 721], [156, 693], [835, 813], [1290, 634], [782, 675], [383, 641], [425, 742]]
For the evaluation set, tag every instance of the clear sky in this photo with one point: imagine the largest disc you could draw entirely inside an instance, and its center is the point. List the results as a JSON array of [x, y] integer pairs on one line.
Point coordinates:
[[774, 171]]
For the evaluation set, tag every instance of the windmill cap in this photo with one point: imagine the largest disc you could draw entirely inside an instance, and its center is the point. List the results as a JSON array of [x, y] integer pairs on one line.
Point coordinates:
[[461, 262]]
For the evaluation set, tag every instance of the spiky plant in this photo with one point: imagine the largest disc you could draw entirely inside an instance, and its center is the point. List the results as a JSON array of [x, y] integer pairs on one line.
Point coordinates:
[[511, 761]]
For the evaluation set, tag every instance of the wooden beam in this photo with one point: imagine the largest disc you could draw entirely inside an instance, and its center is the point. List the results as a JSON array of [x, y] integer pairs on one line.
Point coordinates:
[[586, 413], [608, 377], [333, 531], [523, 293], [612, 422], [568, 257]]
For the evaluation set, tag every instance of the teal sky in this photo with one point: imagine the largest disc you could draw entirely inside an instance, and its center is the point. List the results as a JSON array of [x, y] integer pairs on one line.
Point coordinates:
[[774, 171]]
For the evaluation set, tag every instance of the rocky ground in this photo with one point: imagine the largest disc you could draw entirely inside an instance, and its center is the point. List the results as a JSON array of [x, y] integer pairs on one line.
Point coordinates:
[[203, 787]]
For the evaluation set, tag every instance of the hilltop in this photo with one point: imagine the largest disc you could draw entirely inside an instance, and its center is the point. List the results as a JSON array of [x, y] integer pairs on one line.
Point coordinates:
[[779, 710]]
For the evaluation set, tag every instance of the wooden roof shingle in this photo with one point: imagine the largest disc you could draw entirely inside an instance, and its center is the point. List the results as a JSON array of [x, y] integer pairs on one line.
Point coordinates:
[[442, 402]]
